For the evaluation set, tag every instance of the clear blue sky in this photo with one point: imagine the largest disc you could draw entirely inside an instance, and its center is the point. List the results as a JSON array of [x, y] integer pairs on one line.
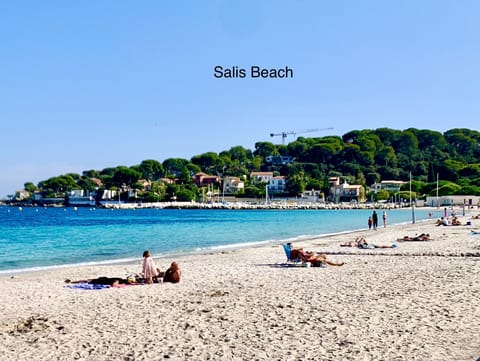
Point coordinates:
[[96, 84]]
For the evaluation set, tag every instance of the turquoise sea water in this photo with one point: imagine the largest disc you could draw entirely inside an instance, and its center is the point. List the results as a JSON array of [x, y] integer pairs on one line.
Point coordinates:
[[50, 237]]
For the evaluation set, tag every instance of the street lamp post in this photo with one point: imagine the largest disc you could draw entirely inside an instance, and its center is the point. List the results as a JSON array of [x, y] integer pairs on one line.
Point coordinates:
[[412, 205], [223, 191], [223, 183]]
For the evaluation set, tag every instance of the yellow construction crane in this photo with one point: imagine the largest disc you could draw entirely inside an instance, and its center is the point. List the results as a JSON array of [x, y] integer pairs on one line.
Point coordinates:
[[295, 132]]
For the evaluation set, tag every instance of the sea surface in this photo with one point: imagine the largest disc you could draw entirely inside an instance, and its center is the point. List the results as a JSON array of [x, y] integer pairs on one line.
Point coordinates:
[[39, 238]]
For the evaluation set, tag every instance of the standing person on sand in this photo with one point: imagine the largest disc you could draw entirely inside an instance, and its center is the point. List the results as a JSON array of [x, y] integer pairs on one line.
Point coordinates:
[[149, 269], [384, 219], [375, 219]]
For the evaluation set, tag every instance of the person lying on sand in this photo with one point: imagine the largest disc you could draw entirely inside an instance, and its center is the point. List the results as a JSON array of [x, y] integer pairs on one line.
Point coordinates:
[[420, 237], [316, 259], [109, 281], [362, 243]]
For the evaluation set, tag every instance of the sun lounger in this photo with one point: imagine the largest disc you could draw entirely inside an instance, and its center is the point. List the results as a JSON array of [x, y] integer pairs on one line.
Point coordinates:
[[288, 252]]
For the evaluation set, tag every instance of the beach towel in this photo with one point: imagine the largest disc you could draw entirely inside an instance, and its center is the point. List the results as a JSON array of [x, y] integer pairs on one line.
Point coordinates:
[[87, 286]]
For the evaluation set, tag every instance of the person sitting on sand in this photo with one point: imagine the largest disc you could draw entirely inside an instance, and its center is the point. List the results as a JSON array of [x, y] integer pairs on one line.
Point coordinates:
[[442, 222], [420, 237], [316, 259], [149, 270], [172, 274], [456, 222], [361, 242]]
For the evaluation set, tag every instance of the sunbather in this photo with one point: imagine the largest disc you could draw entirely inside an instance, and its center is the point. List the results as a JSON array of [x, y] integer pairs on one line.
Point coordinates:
[[316, 259], [420, 237], [108, 281], [442, 222], [456, 221], [362, 243], [172, 274]]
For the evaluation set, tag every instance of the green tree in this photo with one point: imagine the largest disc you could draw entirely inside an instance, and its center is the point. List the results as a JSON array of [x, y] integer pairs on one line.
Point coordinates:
[[87, 184], [30, 187], [58, 185], [125, 176], [185, 195], [407, 195], [464, 143], [449, 188], [382, 195], [253, 191], [174, 167], [92, 173], [240, 154], [389, 137], [324, 152], [150, 169], [296, 183], [386, 156], [406, 143], [470, 171], [298, 150], [209, 162], [192, 169], [264, 149], [371, 178]]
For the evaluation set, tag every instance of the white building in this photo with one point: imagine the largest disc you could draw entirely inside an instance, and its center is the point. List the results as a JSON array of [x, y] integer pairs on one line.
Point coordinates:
[[278, 159], [277, 184], [261, 177], [313, 196], [454, 200], [233, 185], [388, 185], [77, 197], [21, 195], [345, 192]]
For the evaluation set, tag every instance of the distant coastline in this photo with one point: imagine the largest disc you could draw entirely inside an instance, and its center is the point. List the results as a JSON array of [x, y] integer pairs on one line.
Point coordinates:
[[237, 205]]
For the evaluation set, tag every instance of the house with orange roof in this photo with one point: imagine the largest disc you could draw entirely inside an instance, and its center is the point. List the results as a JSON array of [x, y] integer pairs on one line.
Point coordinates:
[[203, 179]]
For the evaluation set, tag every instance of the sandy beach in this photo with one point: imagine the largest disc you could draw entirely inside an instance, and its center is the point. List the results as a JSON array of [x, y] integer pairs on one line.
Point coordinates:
[[418, 301]]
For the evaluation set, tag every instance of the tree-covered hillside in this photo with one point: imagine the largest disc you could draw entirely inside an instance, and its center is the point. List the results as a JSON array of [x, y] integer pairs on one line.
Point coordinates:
[[359, 157]]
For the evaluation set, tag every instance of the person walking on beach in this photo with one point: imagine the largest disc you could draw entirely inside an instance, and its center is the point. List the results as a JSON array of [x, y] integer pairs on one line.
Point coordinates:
[[384, 219], [370, 222], [375, 219]]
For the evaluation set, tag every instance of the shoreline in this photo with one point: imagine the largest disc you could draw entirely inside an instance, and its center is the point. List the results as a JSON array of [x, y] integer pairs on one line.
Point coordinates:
[[248, 304], [209, 250]]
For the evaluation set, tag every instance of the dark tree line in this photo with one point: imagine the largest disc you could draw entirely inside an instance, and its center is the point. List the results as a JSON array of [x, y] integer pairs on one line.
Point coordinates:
[[359, 157]]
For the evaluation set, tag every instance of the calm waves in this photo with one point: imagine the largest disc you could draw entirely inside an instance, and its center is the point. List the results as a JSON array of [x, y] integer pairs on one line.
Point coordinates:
[[35, 238]]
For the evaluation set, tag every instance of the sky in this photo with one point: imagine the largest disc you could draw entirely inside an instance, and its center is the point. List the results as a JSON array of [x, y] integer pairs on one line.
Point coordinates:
[[96, 84]]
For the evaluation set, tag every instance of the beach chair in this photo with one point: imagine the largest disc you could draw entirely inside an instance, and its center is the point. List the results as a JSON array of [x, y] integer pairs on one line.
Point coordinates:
[[288, 253]]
